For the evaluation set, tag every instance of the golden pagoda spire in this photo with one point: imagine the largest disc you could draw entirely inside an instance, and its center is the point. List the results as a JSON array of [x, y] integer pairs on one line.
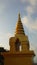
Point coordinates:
[[19, 27]]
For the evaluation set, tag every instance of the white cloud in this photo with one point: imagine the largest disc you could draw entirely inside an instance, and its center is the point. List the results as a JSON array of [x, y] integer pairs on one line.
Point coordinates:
[[33, 2], [30, 23], [31, 6], [29, 10]]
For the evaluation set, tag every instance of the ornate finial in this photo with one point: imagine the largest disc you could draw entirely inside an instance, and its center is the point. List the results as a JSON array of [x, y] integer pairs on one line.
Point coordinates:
[[19, 18], [19, 14]]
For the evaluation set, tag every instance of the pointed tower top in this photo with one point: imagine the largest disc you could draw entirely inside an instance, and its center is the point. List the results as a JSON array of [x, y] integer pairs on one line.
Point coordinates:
[[19, 18], [19, 27]]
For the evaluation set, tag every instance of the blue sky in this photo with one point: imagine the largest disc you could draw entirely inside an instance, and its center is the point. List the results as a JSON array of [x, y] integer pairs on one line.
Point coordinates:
[[9, 10]]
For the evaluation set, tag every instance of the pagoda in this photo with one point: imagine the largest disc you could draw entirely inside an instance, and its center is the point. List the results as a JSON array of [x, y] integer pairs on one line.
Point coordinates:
[[20, 53]]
